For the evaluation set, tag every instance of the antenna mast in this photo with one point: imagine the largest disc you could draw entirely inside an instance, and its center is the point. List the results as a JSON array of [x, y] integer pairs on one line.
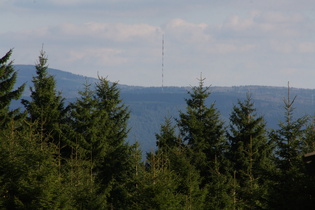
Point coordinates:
[[162, 62]]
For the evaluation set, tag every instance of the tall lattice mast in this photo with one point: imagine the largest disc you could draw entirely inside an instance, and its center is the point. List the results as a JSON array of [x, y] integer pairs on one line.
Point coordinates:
[[162, 62]]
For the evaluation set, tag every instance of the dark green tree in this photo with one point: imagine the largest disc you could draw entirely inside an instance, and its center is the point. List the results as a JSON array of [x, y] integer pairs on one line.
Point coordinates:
[[309, 140], [250, 154], [134, 197], [307, 150], [115, 166], [7, 81], [172, 150], [87, 134], [291, 178], [159, 185], [99, 124], [203, 132], [85, 129], [29, 172], [46, 107], [166, 140]]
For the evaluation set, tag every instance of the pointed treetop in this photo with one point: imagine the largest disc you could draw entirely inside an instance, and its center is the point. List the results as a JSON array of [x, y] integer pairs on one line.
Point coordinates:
[[41, 65], [198, 94], [5, 66], [42, 58], [201, 79]]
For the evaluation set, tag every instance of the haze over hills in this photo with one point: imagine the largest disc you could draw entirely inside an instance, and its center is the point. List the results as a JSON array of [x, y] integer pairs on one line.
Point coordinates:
[[150, 105]]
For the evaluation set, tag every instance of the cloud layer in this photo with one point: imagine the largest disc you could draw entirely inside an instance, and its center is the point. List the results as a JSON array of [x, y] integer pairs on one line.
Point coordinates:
[[236, 43]]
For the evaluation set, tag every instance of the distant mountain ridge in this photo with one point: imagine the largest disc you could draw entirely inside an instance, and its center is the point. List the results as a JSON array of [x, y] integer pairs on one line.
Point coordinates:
[[150, 105], [68, 83]]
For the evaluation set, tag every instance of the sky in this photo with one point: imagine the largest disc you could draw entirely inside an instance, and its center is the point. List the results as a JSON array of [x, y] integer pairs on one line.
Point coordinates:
[[228, 42]]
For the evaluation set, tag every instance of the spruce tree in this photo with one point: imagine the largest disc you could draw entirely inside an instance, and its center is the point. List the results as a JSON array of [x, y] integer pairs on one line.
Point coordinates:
[[134, 181], [203, 132], [99, 124], [291, 179], [46, 106], [250, 154], [8, 78], [307, 151], [84, 125], [115, 166], [309, 143], [29, 172], [166, 140], [176, 155], [86, 134], [159, 185]]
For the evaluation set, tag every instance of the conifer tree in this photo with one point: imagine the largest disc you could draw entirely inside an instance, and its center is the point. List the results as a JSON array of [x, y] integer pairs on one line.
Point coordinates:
[[159, 186], [115, 165], [7, 81], [250, 155], [85, 124], [175, 154], [202, 129], [29, 174], [289, 138], [88, 144], [166, 140], [291, 178], [136, 175], [29, 171], [203, 132], [46, 107], [309, 139], [309, 149], [99, 121]]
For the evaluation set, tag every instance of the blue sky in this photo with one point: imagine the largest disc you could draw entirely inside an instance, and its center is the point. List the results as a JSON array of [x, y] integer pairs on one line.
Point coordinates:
[[232, 42]]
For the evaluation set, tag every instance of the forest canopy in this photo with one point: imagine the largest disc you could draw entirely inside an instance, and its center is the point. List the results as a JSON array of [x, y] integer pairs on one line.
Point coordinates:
[[75, 156]]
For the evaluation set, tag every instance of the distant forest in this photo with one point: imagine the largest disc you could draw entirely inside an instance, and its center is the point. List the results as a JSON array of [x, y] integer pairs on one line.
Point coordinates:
[[75, 155]]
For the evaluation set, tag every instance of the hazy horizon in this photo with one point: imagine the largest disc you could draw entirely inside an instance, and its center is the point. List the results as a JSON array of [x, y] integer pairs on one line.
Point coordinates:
[[233, 43], [160, 86]]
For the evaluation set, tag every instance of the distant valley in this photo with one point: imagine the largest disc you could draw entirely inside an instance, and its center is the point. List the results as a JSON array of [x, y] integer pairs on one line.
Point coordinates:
[[150, 105]]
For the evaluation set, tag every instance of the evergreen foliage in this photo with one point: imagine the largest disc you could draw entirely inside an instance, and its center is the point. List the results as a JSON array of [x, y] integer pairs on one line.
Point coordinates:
[[99, 127], [115, 165], [203, 132], [175, 154], [250, 154], [29, 172], [291, 178], [46, 107], [309, 138], [77, 157], [82, 131], [8, 78]]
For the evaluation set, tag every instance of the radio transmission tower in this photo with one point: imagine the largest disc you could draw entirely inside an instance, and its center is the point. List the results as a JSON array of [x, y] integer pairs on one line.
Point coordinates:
[[162, 62]]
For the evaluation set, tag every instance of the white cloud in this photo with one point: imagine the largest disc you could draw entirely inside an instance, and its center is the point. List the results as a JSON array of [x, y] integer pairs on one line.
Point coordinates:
[[188, 32], [265, 25], [99, 56], [231, 42], [114, 32], [237, 24]]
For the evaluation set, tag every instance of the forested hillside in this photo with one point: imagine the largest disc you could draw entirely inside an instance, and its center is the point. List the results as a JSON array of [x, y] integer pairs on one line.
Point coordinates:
[[74, 152], [150, 105]]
